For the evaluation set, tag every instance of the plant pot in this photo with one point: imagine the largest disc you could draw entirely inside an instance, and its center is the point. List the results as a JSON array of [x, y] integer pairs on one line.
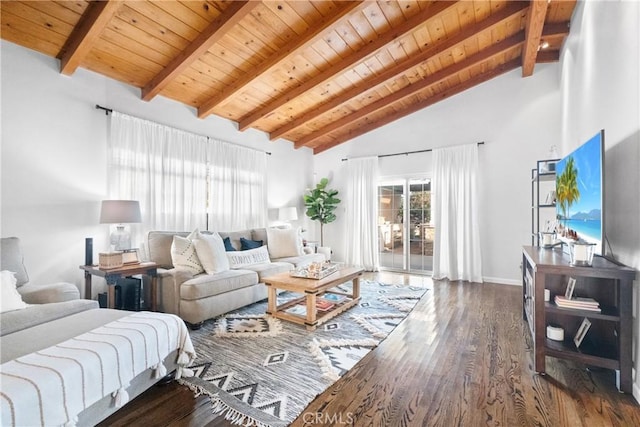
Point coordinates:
[[326, 250]]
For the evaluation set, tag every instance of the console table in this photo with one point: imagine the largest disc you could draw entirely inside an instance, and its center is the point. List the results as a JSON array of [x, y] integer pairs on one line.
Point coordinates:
[[609, 340], [111, 275]]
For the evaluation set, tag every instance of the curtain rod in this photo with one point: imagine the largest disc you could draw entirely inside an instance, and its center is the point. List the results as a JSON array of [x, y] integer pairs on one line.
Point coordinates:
[[406, 153], [109, 110]]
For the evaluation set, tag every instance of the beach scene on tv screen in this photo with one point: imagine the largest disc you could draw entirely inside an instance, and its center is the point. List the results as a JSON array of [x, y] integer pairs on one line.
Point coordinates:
[[579, 192]]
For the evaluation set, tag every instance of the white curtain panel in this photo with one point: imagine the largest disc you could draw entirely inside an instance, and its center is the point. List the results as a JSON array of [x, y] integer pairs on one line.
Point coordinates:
[[238, 191], [455, 209], [163, 168], [361, 244], [179, 177]]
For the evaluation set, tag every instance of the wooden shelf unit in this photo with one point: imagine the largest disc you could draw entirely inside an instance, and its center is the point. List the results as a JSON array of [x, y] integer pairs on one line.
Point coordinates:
[[608, 343]]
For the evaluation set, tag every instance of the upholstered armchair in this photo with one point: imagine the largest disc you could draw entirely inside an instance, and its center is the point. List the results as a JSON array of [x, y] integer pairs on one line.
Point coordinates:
[[12, 259]]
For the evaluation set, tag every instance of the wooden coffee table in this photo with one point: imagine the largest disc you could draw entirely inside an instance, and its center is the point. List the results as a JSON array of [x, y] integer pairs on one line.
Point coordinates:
[[311, 290]]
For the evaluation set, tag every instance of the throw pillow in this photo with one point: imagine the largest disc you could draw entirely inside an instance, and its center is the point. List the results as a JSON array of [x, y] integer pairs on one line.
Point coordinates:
[[246, 244], [211, 252], [11, 298], [284, 243], [183, 253], [227, 245], [241, 259]]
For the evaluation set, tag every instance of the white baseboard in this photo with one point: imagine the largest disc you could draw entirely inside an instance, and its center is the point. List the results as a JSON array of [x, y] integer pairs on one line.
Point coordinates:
[[502, 281], [636, 387]]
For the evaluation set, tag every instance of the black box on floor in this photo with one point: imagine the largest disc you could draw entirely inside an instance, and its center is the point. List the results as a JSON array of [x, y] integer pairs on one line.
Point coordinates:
[[102, 299], [127, 295]]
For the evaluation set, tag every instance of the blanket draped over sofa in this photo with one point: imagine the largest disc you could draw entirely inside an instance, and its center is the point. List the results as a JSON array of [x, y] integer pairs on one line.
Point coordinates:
[[42, 387]]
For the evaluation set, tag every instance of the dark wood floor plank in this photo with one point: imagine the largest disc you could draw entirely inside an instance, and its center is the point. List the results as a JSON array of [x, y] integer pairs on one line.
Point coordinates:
[[462, 357]]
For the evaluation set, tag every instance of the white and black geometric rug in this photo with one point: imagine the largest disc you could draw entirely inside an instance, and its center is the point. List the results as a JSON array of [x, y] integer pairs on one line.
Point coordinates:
[[263, 371]]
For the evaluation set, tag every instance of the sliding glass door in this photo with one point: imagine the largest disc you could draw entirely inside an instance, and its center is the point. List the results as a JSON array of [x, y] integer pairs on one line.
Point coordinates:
[[405, 234]]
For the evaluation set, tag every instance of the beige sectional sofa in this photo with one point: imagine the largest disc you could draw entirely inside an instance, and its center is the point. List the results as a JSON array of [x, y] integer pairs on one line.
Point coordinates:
[[196, 298]]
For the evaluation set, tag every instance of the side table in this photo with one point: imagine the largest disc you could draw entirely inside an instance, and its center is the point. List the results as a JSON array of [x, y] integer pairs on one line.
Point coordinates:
[[111, 275]]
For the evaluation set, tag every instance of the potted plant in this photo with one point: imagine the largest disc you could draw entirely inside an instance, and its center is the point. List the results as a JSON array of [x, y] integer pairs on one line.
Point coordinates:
[[321, 204]]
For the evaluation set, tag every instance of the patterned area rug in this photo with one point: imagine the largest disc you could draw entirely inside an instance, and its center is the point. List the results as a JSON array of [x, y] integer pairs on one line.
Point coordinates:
[[263, 371]]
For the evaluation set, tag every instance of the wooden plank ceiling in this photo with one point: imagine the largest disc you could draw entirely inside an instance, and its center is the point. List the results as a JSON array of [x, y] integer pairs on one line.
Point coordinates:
[[317, 73]]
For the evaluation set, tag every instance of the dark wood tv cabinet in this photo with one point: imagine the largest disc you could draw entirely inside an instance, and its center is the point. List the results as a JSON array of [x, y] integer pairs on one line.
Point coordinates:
[[608, 343]]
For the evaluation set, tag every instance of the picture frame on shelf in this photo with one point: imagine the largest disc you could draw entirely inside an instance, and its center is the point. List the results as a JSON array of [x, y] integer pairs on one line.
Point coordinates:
[[551, 226], [551, 198], [570, 288], [582, 331]]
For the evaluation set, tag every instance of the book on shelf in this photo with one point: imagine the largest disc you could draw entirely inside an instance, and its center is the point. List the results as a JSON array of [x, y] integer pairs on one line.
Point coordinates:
[[577, 303], [334, 298], [324, 305], [299, 309]]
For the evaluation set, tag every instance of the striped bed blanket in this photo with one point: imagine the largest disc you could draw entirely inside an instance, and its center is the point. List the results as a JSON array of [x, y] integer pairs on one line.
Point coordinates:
[[53, 385]]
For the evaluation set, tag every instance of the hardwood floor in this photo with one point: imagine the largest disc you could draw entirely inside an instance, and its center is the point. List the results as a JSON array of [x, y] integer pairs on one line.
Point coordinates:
[[462, 358]]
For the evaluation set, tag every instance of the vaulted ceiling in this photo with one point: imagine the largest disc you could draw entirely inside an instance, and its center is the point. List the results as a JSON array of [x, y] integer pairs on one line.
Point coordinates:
[[317, 73]]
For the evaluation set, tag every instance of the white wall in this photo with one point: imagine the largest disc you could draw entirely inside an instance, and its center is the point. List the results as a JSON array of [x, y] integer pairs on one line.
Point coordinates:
[[601, 90], [54, 158], [518, 120]]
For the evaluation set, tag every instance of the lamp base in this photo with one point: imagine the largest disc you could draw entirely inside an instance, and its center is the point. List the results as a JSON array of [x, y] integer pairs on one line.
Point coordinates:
[[120, 239]]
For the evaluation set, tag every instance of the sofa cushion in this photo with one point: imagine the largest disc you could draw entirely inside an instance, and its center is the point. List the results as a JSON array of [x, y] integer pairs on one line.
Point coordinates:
[[50, 292], [247, 244], [240, 259], [211, 252], [10, 298], [183, 253], [234, 237], [260, 234], [266, 270], [11, 259], [159, 247], [208, 285], [284, 242]]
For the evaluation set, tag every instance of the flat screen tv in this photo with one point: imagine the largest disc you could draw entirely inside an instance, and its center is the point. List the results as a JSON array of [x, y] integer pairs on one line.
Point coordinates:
[[580, 193]]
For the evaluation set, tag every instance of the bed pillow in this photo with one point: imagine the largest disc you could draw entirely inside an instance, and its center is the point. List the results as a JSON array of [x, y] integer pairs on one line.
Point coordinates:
[[246, 244], [211, 252], [10, 297], [241, 259], [183, 253], [284, 243]]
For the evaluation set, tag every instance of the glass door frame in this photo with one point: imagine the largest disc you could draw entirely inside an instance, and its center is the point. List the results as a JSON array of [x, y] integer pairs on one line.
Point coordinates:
[[405, 181]]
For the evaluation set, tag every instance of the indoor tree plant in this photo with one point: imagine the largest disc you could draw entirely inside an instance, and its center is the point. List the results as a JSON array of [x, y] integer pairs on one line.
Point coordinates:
[[321, 204]]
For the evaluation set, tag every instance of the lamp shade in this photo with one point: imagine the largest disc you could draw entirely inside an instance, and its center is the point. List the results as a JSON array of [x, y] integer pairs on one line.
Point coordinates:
[[120, 212], [289, 213]]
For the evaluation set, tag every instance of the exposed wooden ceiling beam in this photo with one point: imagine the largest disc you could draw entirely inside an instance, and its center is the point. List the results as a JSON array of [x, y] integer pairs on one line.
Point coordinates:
[[556, 29], [480, 78], [437, 77], [294, 46], [235, 11], [533, 31], [340, 67], [548, 56], [84, 35], [510, 10]]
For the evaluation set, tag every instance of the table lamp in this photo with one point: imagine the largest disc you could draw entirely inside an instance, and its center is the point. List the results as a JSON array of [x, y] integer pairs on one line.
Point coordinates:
[[287, 214], [120, 212]]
